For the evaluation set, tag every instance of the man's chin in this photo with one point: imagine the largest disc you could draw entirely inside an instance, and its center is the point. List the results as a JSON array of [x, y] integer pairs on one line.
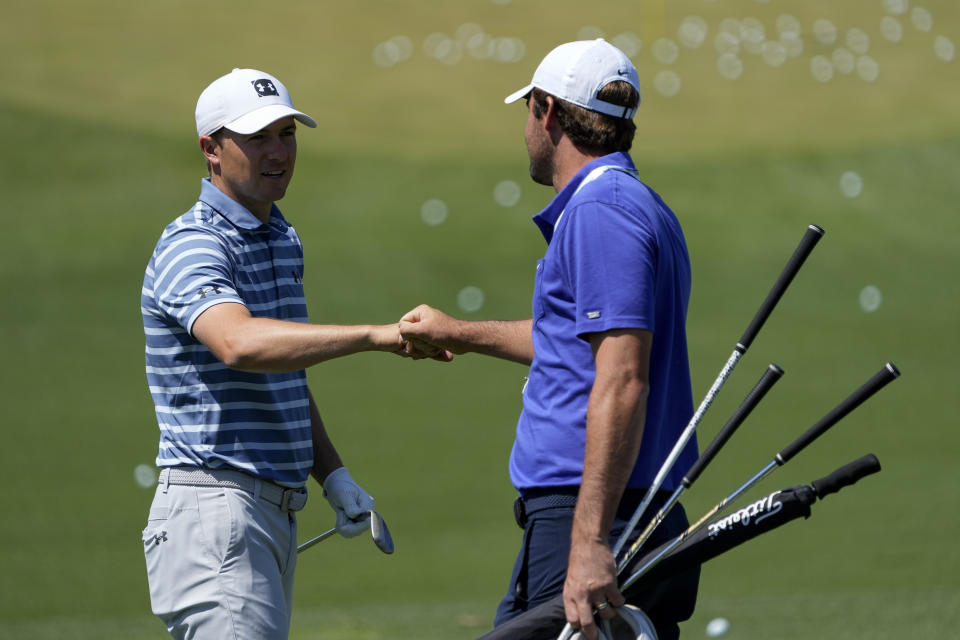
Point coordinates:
[[277, 191], [539, 177]]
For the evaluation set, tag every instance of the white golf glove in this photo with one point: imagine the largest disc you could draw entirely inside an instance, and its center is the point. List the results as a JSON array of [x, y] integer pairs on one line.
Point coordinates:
[[351, 503]]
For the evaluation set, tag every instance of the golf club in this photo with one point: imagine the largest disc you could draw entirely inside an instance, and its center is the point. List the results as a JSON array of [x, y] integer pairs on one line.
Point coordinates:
[[879, 380], [800, 254], [378, 529], [766, 382]]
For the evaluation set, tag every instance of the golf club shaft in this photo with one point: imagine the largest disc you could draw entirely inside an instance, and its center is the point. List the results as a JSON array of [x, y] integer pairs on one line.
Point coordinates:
[[800, 254], [695, 527], [320, 538], [879, 380], [766, 382]]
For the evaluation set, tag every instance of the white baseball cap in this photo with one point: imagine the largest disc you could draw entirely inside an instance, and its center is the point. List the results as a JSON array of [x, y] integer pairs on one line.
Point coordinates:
[[577, 71], [245, 101]]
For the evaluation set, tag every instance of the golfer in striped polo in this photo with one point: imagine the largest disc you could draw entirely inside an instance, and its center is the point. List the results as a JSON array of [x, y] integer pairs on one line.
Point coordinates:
[[227, 342]]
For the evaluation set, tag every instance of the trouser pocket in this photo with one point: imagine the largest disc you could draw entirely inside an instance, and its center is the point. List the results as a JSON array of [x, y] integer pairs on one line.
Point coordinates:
[[188, 536], [156, 538]]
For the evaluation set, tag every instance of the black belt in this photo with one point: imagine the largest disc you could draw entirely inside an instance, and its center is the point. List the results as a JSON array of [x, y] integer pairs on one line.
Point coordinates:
[[566, 497]]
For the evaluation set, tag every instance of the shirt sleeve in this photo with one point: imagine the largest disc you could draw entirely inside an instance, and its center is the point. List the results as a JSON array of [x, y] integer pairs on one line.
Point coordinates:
[[193, 272], [610, 258]]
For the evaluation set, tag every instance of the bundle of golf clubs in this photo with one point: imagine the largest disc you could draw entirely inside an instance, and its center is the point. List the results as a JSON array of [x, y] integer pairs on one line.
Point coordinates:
[[670, 559], [705, 539]]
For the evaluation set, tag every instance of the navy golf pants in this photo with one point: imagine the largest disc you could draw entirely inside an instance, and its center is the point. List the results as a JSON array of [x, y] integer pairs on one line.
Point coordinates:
[[541, 566]]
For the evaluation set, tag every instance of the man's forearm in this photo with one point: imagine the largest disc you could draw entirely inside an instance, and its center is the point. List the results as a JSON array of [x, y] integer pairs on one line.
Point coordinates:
[[265, 345], [615, 420], [616, 413], [506, 339]]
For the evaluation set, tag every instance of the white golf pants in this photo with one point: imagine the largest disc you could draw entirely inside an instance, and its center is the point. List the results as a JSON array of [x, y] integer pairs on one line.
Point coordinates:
[[220, 563]]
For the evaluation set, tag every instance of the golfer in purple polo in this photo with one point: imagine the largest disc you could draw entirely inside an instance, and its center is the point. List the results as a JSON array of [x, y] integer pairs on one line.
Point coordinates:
[[608, 391]]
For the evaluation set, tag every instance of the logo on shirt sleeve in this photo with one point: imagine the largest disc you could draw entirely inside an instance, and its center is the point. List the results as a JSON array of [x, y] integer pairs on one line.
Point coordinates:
[[203, 291], [593, 315]]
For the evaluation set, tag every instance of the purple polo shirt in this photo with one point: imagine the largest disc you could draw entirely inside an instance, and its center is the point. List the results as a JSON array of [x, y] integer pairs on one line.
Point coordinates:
[[616, 259]]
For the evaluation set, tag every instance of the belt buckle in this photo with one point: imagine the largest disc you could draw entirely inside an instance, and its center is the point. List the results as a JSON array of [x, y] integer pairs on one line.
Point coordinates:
[[520, 512], [285, 499]]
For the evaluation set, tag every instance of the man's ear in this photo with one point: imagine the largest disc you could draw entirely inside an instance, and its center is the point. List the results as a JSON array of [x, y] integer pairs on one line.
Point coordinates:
[[549, 121], [211, 150]]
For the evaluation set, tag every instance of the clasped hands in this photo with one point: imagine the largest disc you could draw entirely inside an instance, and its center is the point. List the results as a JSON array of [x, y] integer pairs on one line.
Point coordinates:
[[425, 332]]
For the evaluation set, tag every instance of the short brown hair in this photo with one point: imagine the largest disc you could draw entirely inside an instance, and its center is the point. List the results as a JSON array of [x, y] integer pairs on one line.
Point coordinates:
[[590, 129]]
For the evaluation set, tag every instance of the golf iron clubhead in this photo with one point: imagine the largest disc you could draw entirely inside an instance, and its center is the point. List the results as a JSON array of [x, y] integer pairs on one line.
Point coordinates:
[[381, 535], [378, 529], [631, 623]]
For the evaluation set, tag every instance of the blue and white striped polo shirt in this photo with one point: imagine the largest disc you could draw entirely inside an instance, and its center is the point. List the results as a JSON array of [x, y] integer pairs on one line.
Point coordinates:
[[209, 415]]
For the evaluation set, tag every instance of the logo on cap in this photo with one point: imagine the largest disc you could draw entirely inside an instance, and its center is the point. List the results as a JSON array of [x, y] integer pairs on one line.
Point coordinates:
[[265, 87]]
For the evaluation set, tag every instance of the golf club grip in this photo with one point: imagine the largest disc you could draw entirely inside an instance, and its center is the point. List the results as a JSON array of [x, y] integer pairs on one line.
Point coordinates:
[[807, 243], [846, 475], [887, 374], [766, 382]]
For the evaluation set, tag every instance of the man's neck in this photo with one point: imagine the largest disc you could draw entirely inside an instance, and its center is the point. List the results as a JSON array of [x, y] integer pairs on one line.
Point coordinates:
[[260, 210], [568, 161]]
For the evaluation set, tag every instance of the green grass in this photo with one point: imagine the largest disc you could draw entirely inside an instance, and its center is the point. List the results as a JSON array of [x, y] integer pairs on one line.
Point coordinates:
[[99, 156]]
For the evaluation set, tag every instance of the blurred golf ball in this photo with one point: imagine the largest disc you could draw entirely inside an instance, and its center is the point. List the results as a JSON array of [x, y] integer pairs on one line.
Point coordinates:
[[470, 299], [851, 184], [507, 193], [433, 212], [145, 476], [944, 48], [668, 83], [717, 627], [870, 298]]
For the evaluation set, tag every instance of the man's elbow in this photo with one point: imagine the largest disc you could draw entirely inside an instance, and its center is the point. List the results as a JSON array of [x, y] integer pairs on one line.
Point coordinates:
[[236, 360], [236, 353]]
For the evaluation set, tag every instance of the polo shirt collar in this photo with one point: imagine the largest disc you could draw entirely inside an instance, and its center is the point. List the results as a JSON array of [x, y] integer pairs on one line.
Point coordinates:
[[547, 219], [235, 213]]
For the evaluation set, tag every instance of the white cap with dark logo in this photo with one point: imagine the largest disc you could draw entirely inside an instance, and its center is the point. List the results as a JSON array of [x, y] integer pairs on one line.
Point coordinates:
[[577, 71], [245, 101]]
